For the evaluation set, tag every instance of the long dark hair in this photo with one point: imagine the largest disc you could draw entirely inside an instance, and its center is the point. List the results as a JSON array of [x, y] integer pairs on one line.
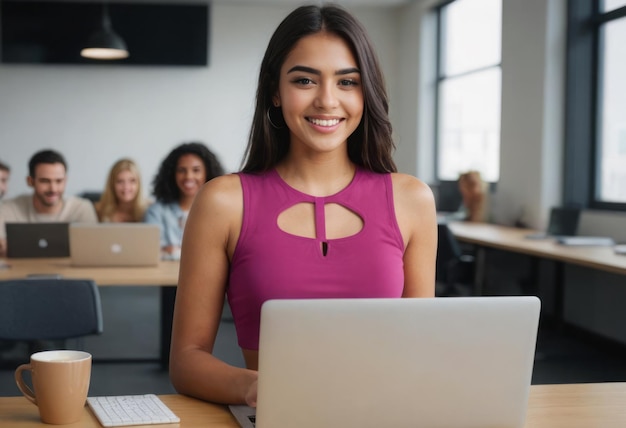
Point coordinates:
[[371, 144], [165, 188]]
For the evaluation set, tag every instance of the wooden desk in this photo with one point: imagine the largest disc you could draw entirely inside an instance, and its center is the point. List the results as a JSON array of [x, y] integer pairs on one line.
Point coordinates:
[[549, 406], [485, 235], [513, 239], [17, 412], [577, 406], [164, 275]]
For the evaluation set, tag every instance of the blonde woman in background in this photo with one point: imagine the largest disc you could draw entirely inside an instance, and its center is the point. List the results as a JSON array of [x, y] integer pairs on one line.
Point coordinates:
[[122, 199], [474, 192]]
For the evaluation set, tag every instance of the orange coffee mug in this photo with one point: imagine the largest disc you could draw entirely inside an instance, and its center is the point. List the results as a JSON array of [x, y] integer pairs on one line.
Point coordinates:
[[60, 384]]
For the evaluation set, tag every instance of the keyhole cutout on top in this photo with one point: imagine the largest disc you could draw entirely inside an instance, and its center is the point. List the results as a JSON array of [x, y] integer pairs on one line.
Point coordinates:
[[340, 222]]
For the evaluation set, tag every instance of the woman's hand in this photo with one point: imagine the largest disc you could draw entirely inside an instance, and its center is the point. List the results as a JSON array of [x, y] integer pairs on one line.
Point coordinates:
[[171, 249], [252, 393], [170, 252]]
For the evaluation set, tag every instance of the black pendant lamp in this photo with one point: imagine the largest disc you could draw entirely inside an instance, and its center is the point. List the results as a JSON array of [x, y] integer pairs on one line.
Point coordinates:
[[105, 44]]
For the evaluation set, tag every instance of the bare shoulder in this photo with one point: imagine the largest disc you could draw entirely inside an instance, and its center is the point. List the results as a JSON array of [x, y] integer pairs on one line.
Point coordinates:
[[222, 194], [417, 219], [411, 191], [414, 205], [217, 213]]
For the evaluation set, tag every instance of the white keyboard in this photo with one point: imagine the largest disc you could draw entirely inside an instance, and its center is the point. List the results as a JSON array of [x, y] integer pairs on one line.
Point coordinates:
[[123, 410]]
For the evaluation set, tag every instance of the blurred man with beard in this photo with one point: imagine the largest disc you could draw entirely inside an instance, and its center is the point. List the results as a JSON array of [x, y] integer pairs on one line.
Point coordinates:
[[5, 171], [47, 177]]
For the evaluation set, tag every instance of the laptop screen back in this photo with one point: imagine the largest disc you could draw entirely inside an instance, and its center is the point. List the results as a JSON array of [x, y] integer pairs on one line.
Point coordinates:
[[563, 221], [115, 244], [439, 362], [37, 240]]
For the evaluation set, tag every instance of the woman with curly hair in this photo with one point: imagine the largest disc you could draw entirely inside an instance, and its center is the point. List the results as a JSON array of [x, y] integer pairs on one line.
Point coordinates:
[[122, 199], [181, 174]]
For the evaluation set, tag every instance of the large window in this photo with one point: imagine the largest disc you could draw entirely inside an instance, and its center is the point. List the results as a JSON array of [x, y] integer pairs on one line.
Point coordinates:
[[469, 88], [595, 162]]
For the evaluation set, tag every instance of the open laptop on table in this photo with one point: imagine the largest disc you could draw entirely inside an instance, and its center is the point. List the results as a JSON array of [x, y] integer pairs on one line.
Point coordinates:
[[563, 222], [31, 240], [441, 362], [114, 244]]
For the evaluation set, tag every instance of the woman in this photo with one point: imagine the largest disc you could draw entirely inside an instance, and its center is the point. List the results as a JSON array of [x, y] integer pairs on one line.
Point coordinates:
[[122, 199], [181, 174], [474, 194], [318, 210]]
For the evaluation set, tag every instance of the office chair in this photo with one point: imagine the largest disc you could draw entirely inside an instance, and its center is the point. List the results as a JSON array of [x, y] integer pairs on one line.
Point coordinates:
[[36, 309], [454, 269], [93, 196]]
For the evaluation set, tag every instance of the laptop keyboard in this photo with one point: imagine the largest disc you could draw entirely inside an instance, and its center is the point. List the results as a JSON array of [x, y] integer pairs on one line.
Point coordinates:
[[246, 416], [124, 410]]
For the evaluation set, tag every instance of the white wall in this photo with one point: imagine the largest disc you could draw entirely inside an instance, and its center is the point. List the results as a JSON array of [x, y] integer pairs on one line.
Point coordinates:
[[533, 79], [416, 76], [97, 114]]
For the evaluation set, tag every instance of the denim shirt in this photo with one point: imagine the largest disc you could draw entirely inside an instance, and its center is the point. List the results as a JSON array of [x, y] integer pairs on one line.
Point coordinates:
[[170, 219]]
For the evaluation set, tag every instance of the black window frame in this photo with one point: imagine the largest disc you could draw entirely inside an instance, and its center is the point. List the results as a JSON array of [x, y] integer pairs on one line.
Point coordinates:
[[583, 104]]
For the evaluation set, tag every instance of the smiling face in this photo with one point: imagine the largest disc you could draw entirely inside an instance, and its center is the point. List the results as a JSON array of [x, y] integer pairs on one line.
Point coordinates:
[[190, 174], [320, 94], [48, 185], [126, 186]]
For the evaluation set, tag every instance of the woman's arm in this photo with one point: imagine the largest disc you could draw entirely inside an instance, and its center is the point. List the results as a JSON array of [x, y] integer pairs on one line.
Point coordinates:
[[154, 215], [417, 218], [209, 240], [161, 214]]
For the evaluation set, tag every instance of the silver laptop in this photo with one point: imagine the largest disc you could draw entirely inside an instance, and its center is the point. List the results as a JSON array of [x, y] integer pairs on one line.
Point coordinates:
[[30, 240], [114, 244], [440, 362]]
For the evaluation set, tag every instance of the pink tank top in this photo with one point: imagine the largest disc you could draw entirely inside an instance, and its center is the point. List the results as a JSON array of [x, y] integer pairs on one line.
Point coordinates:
[[269, 263]]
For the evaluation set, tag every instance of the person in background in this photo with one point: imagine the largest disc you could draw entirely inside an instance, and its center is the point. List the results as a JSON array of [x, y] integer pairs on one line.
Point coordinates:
[[47, 176], [474, 196], [318, 210], [181, 174], [5, 172], [122, 199]]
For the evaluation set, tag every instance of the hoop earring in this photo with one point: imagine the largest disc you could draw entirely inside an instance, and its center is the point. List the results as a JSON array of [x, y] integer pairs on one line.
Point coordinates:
[[269, 118]]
